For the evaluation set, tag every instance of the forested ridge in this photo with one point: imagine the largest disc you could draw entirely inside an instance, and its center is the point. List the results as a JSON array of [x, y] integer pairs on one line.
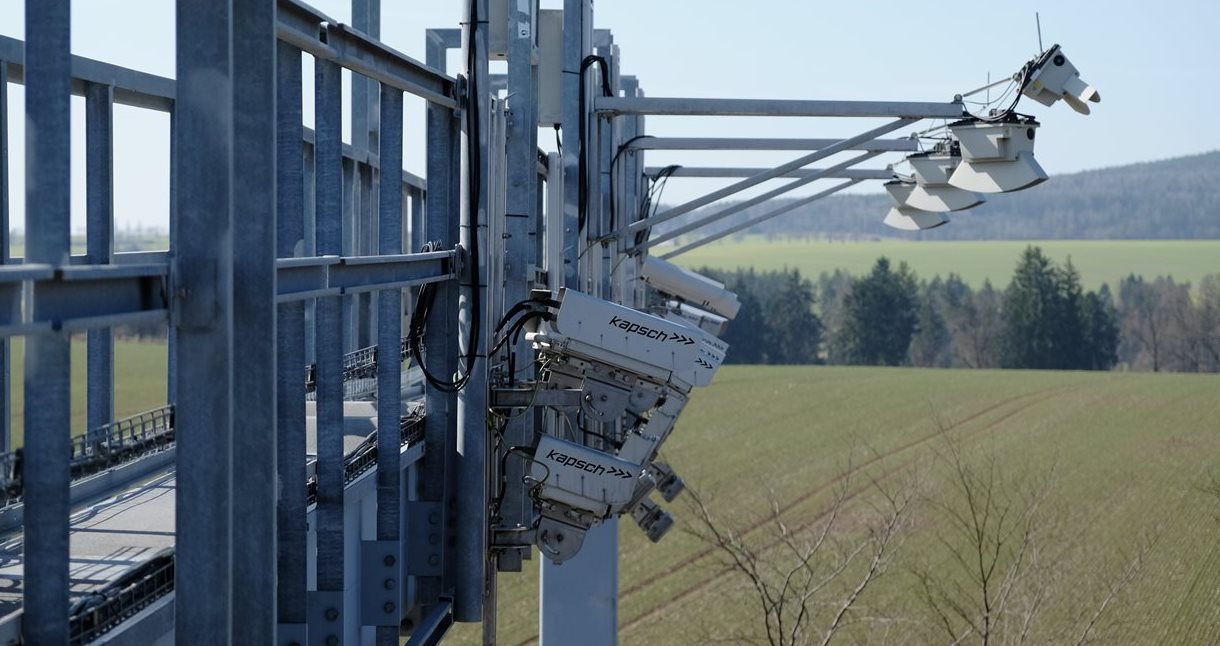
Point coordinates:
[[1171, 199]]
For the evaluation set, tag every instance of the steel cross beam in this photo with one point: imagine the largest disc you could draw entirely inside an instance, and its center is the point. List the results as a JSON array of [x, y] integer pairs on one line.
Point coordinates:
[[732, 143], [741, 206], [687, 107], [795, 204], [736, 187], [712, 172], [327, 39]]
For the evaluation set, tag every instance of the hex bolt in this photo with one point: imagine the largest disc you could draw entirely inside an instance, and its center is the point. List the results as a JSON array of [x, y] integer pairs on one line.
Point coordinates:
[[434, 518], [389, 584], [332, 640], [389, 560], [389, 607], [332, 614], [434, 560]]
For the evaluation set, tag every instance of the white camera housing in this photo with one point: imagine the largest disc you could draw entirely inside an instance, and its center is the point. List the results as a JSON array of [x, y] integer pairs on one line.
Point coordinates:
[[582, 478], [686, 285], [997, 156], [647, 346], [1053, 77]]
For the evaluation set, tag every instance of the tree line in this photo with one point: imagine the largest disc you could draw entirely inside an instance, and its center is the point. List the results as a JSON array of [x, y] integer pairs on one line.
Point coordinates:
[[1043, 319]]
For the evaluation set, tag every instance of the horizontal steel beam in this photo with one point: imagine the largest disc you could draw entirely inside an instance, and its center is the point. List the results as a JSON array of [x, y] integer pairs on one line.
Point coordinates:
[[700, 171], [763, 143], [795, 164], [300, 25], [133, 88], [791, 206], [88, 296], [119, 258], [524, 397], [82, 296], [686, 107], [300, 278], [77, 297]]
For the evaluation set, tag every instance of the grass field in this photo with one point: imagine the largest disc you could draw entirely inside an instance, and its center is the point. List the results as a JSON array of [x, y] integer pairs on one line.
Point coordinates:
[[1099, 261], [139, 383], [1128, 450]]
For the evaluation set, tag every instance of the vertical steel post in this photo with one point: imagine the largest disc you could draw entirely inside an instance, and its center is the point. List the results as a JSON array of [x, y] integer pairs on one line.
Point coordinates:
[[578, 600], [471, 485], [328, 163], [520, 232], [577, 34], [253, 211], [389, 359], [203, 287], [435, 478], [99, 242], [6, 404], [290, 360], [366, 16], [48, 88]]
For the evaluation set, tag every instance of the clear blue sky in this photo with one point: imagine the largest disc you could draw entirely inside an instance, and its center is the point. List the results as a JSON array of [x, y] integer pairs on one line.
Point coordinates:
[[1153, 62]]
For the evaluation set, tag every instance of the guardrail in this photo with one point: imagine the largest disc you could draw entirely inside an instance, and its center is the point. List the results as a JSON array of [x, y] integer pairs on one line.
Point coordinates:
[[101, 610], [364, 456], [109, 446]]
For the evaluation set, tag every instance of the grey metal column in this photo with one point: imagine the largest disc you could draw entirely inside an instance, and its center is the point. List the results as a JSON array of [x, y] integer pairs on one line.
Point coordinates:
[[521, 216], [471, 526], [326, 608], [291, 569], [577, 603], [6, 404], [366, 16], [577, 33], [253, 212], [389, 367], [433, 573], [203, 285], [99, 241], [48, 89]]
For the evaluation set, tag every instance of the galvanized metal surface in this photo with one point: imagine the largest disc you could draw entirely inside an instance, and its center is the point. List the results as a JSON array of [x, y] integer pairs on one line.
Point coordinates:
[[287, 249]]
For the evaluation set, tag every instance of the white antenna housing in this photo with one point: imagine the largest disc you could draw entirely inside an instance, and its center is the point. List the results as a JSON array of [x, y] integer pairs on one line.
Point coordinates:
[[997, 156], [904, 217], [932, 191]]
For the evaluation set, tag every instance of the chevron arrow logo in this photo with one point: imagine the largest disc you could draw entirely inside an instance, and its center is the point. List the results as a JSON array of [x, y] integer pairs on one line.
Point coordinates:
[[681, 338], [615, 471]]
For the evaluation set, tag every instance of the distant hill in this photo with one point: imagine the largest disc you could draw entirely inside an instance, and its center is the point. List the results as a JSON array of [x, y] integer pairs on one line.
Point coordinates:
[[1170, 199]]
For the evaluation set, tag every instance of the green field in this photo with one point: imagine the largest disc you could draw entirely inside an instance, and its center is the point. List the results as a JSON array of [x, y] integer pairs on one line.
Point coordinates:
[[1099, 261], [140, 371], [1129, 452]]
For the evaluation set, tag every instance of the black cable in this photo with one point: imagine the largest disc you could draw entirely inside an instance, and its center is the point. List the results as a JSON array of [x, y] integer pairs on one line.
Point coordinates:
[[650, 203], [516, 327], [522, 306], [613, 163], [583, 184], [427, 292]]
